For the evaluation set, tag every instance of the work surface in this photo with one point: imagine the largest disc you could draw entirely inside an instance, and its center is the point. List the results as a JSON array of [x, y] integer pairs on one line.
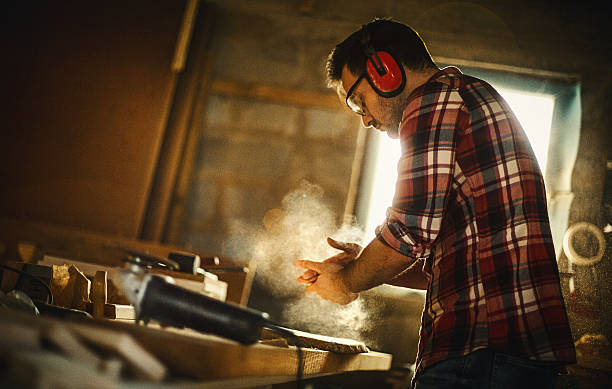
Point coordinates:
[[156, 357]]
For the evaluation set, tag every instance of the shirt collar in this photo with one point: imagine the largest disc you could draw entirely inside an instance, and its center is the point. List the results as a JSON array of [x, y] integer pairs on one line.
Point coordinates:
[[444, 75]]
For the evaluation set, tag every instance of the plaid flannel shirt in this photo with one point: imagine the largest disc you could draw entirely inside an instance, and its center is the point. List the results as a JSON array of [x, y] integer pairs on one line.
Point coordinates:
[[470, 203]]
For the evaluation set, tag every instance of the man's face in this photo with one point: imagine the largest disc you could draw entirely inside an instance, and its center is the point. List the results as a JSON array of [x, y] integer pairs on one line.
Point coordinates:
[[379, 112]]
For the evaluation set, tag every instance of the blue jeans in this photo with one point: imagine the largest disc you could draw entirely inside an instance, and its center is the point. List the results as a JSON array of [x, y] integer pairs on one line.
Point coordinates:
[[488, 369]]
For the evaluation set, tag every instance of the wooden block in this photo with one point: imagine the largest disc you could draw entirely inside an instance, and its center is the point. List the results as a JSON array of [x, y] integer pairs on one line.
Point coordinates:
[[98, 293], [116, 311], [205, 284], [214, 288], [114, 295], [120, 311], [62, 294], [239, 281], [80, 286], [26, 251]]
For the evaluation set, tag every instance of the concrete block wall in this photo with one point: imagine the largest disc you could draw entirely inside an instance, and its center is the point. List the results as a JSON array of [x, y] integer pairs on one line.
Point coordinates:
[[251, 153]]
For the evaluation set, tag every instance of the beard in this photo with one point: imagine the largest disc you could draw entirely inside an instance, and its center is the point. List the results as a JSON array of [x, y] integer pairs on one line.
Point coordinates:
[[393, 109]]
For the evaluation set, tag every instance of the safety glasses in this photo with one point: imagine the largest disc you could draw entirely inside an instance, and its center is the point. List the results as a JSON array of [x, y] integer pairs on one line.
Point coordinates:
[[354, 102]]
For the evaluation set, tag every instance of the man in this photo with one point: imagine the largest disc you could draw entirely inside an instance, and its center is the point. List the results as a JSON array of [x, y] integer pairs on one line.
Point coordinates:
[[468, 221]]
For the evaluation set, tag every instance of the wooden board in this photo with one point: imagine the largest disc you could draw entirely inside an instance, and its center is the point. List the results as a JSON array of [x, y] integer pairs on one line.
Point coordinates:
[[206, 357], [144, 364], [321, 342]]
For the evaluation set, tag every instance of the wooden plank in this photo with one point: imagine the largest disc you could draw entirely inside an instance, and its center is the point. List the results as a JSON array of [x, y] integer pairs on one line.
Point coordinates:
[[301, 98], [207, 357], [66, 341], [177, 133], [322, 342], [44, 369], [144, 364], [188, 160], [184, 36]]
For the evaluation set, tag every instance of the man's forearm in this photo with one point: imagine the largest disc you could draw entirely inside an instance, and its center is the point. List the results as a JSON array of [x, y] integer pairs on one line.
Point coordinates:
[[413, 277], [376, 264]]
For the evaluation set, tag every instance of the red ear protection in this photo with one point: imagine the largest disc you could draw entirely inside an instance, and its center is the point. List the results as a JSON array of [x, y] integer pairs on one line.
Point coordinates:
[[383, 72], [392, 77]]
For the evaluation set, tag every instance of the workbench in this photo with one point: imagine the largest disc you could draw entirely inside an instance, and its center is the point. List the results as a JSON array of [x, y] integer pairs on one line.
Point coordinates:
[[159, 357]]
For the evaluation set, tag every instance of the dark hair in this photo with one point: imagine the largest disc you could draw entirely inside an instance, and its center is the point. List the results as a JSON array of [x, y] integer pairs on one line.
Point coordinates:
[[398, 39]]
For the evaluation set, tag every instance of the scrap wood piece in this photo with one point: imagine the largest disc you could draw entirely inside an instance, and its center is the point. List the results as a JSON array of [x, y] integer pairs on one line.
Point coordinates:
[[80, 287], [116, 311], [322, 342], [62, 338], [43, 369], [70, 287], [26, 251], [62, 295], [142, 363], [98, 293]]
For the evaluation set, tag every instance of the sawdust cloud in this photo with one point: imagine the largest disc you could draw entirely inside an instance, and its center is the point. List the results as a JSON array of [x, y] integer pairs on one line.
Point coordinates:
[[298, 230]]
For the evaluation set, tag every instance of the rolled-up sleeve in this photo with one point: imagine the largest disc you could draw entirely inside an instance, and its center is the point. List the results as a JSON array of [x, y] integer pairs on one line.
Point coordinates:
[[428, 131]]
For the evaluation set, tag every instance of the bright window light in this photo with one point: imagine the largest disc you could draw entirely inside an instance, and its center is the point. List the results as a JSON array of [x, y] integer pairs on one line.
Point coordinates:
[[534, 112]]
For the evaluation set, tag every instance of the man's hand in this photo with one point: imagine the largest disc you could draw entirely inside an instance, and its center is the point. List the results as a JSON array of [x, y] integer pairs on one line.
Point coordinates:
[[348, 254], [329, 284], [341, 277]]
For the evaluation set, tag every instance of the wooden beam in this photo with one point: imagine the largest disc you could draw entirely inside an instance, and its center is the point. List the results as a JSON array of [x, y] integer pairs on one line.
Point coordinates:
[[356, 172], [276, 94], [184, 36], [177, 131], [572, 77]]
